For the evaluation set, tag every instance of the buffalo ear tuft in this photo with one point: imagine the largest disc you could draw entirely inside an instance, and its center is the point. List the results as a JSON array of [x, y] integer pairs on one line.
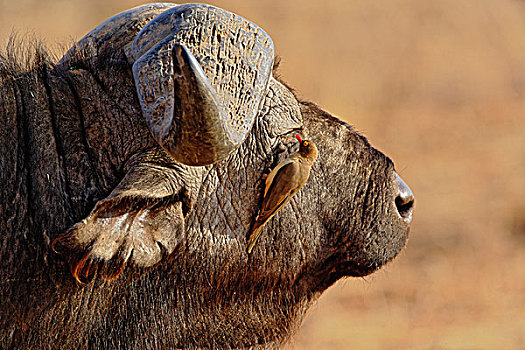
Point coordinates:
[[84, 269]]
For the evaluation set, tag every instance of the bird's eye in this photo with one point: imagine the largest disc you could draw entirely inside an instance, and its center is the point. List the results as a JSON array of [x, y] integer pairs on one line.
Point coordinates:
[[305, 143]]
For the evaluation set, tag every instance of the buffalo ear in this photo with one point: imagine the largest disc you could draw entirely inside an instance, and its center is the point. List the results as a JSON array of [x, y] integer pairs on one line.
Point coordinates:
[[138, 223]]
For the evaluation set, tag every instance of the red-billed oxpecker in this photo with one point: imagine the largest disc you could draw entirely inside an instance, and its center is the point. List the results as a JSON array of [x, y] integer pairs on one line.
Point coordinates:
[[285, 180]]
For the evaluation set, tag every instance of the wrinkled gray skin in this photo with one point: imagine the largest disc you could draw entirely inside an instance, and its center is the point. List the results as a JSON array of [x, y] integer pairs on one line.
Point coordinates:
[[75, 137]]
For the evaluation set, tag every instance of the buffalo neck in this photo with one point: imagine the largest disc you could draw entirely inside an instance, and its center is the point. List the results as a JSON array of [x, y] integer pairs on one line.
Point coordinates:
[[35, 186]]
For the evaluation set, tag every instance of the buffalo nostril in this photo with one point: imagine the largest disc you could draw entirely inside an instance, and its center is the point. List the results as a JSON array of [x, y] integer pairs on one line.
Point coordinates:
[[404, 199]]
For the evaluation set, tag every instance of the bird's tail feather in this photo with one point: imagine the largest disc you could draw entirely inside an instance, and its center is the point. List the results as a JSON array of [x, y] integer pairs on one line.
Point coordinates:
[[254, 235]]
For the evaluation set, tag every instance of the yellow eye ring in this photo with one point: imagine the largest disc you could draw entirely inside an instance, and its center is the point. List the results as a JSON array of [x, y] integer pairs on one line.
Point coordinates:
[[305, 143]]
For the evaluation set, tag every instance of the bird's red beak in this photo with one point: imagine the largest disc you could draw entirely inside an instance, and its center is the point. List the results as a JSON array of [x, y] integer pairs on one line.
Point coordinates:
[[298, 137]]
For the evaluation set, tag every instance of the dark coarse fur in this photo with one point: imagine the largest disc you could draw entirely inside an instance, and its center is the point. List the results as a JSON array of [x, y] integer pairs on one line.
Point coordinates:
[[70, 135]]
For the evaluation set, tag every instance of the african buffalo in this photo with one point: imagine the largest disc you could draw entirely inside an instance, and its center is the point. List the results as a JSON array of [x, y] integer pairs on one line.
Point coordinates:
[[132, 171]]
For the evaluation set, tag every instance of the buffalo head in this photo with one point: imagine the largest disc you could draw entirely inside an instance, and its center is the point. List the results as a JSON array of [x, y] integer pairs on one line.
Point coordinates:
[[180, 114]]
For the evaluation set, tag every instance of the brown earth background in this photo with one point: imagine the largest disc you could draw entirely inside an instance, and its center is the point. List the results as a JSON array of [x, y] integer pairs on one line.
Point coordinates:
[[440, 87]]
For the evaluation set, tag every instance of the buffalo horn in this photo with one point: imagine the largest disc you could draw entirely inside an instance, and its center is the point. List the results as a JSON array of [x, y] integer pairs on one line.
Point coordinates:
[[186, 118], [201, 74]]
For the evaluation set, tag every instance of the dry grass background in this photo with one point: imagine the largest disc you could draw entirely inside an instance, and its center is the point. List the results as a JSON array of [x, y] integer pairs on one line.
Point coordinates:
[[440, 87]]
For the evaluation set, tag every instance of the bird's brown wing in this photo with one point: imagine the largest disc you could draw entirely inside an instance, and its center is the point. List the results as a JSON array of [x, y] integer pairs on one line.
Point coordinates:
[[274, 171], [285, 182]]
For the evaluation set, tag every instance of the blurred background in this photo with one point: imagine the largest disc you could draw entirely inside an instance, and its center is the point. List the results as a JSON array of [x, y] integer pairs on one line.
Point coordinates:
[[440, 87]]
